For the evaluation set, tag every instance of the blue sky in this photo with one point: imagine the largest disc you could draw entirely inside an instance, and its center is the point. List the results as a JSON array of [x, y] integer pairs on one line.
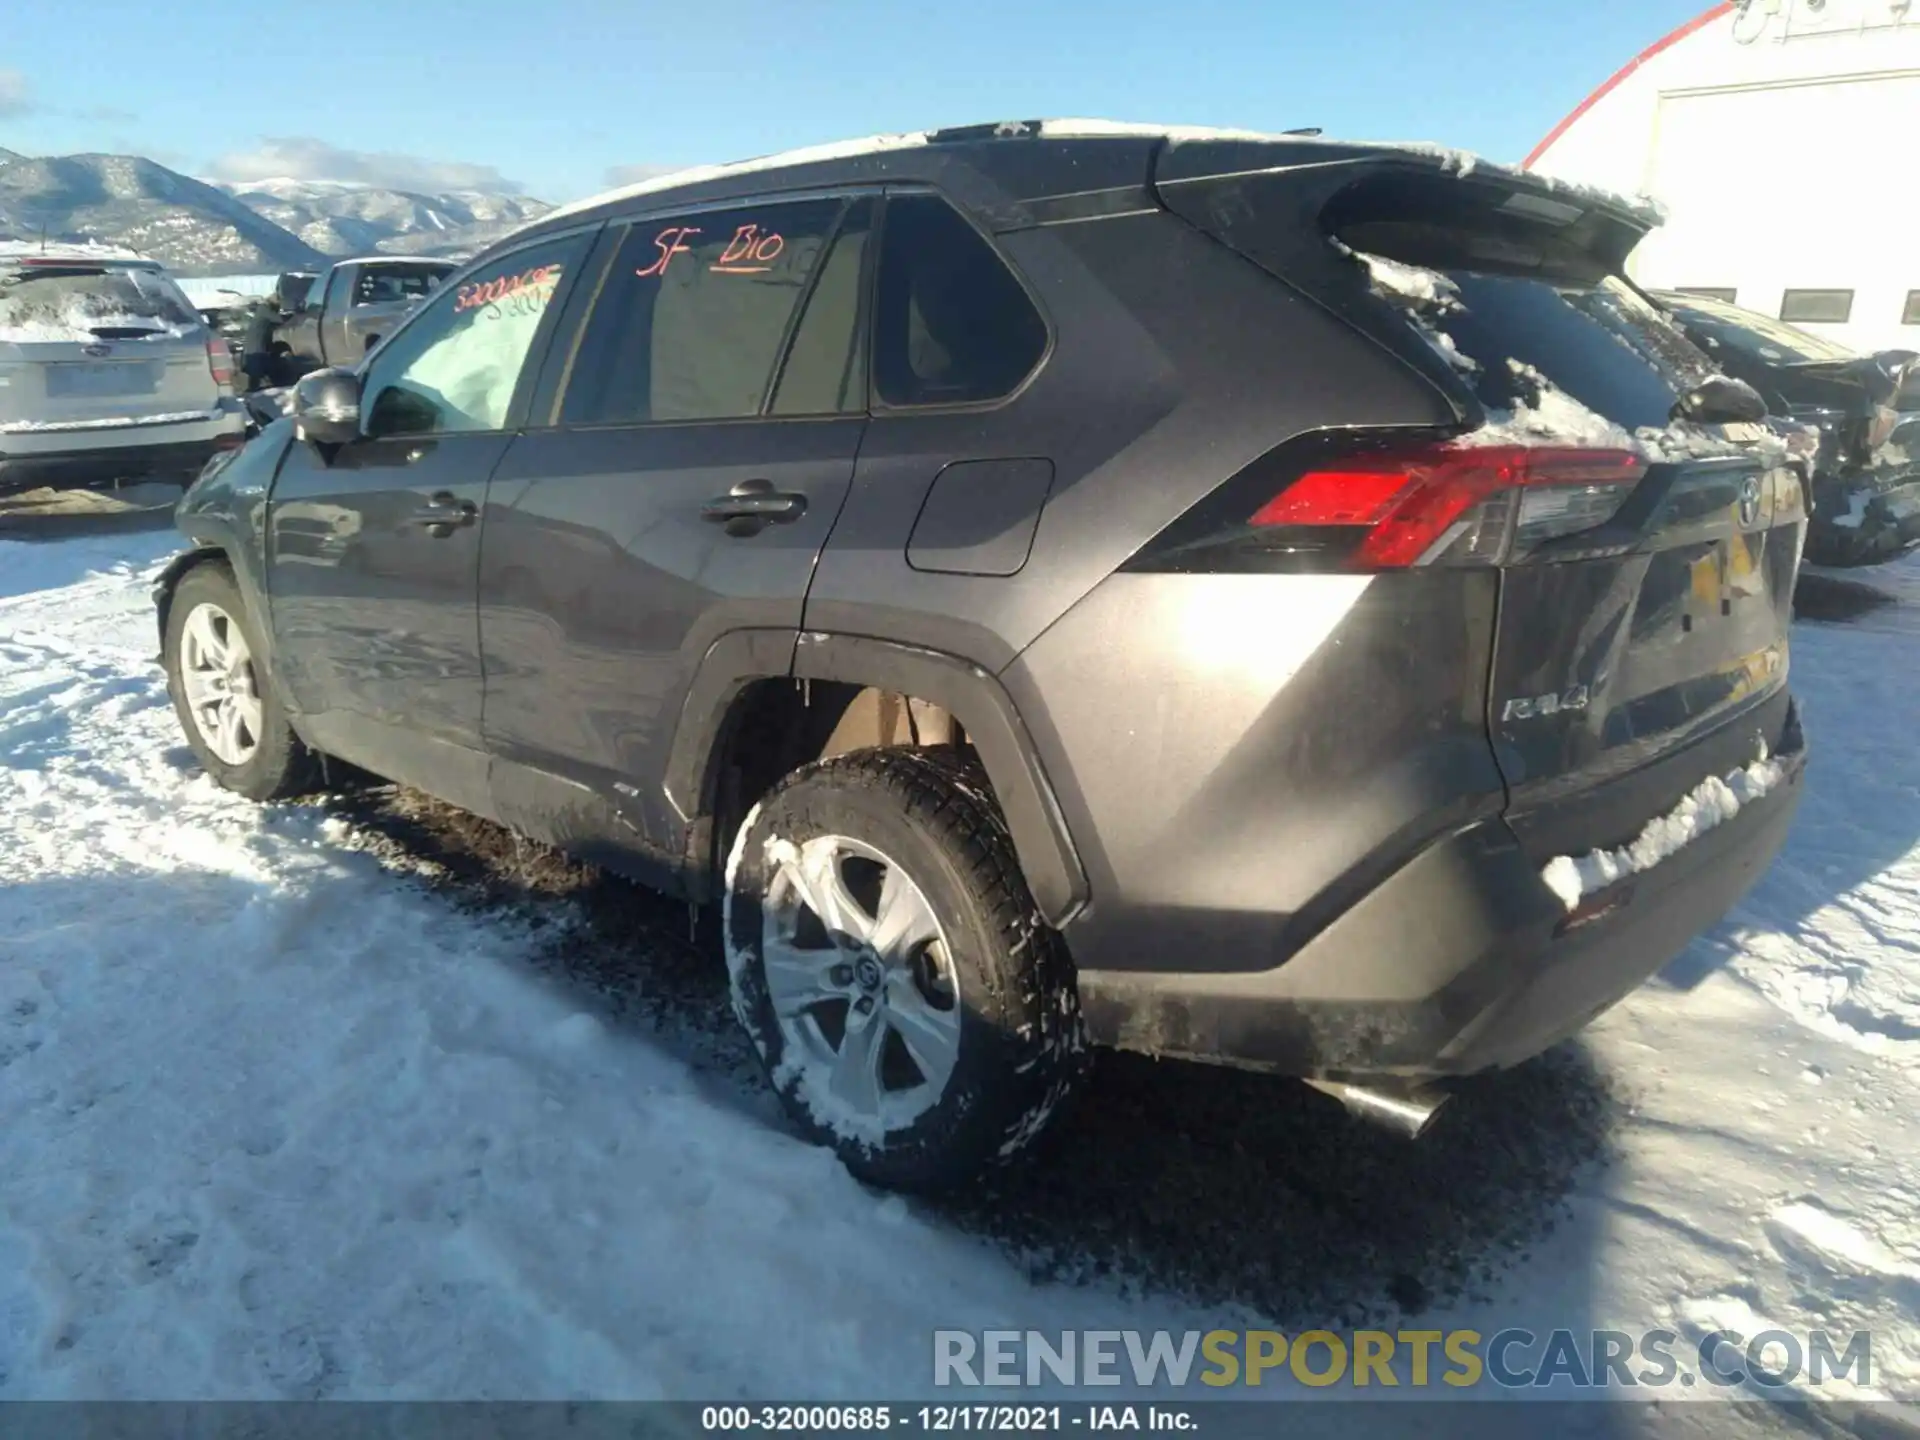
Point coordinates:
[[558, 95]]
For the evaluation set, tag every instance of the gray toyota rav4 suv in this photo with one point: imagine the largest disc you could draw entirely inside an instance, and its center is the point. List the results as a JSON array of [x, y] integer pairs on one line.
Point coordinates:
[[1258, 599]]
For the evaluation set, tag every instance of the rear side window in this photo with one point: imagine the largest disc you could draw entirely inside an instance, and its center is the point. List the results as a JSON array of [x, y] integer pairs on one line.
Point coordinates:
[[387, 284], [953, 325], [1911, 314], [88, 303], [695, 313]]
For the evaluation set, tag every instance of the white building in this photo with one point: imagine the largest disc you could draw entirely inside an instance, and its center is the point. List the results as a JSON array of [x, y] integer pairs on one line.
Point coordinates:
[[1781, 137]]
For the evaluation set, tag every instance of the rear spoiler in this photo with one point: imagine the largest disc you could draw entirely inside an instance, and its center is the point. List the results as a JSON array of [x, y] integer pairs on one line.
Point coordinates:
[[1297, 206], [1317, 169]]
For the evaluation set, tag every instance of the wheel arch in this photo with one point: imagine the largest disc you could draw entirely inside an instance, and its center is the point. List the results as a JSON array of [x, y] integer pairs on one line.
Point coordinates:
[[177, 569], [751, 676]]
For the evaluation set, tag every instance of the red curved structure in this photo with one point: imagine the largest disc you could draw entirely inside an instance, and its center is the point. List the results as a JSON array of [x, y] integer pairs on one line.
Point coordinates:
[[1613, 81]]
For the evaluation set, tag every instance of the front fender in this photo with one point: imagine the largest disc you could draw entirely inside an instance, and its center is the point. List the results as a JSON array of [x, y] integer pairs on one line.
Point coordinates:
[[223, 516]]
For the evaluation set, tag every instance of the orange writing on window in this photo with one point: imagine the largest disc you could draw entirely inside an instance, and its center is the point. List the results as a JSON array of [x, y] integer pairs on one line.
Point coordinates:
[[751, 251], [669, 242]]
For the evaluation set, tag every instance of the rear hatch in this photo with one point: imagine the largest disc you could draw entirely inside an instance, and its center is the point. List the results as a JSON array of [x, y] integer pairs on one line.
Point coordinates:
[[1644, 519], [86, 345]]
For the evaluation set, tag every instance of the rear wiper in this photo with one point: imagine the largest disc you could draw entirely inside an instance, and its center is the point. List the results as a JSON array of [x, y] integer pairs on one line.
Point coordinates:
[[1720, 400]]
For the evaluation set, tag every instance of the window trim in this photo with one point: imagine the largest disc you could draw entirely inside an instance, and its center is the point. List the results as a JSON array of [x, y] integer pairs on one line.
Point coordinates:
[[1787, 297], [862, 312], [620, 225], [1725, 294], [877, 407], [538, 347]]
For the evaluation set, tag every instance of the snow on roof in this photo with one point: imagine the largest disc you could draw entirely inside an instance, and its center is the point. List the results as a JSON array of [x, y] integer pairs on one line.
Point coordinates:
[[673, 180], [1462, 162]]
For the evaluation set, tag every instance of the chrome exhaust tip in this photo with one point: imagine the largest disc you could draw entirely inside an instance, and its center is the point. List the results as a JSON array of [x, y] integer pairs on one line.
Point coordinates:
[[1405, 1109]]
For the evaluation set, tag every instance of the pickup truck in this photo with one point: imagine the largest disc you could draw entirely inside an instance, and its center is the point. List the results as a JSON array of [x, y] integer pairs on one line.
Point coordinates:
[[347, 310]]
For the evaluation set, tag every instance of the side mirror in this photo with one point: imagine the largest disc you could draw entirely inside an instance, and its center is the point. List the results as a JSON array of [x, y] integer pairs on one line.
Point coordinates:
[[327, 407]]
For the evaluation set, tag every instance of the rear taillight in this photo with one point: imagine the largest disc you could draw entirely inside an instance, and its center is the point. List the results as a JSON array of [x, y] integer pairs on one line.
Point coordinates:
[[220, 362], [1395, 507]]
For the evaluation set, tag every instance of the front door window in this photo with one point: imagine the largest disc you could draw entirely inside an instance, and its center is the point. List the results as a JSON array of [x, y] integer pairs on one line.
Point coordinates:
[[454, 369]]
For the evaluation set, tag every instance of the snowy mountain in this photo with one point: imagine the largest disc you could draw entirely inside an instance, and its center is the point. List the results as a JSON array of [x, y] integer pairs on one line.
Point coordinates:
[[455, 244], [348, 219], [134, 202]]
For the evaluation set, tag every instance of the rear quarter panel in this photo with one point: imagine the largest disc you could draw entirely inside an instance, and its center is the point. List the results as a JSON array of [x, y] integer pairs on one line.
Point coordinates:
[[1174, 363]]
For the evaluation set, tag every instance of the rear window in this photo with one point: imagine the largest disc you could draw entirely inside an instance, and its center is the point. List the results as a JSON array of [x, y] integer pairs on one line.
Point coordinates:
[[57, 303], [1773, 341], [1516, 339], [389, 283], [1599, 341]]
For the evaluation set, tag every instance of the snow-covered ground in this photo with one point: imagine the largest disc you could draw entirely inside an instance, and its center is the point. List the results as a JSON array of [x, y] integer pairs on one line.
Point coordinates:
[[279, 1119]]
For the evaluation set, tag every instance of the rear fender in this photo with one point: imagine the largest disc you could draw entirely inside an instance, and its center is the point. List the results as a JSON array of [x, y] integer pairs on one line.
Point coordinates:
[[969, 693]]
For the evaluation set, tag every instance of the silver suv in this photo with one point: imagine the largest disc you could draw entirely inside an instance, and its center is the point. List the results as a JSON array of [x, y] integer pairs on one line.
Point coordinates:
[[106, 373]]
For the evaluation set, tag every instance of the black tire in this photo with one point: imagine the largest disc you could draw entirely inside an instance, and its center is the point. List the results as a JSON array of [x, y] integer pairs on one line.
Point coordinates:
[[1021, 1049], [280, 765]]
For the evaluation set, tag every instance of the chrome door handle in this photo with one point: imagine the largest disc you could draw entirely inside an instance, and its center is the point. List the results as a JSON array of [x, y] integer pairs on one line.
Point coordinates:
[[752, 505], [445, 512]]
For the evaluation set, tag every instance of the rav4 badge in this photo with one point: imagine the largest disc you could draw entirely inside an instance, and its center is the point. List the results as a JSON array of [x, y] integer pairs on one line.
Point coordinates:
[[1532, 706]]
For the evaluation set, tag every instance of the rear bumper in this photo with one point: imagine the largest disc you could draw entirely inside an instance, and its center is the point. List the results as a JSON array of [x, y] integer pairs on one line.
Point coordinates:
[[97, 455], [1460, 961]]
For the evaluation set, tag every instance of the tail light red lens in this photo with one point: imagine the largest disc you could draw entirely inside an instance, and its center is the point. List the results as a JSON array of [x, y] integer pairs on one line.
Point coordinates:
[[1457, 503], [220, 362]]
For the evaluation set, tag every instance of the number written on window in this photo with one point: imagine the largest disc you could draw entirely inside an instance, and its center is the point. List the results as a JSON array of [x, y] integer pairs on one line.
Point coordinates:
[[527, 292]]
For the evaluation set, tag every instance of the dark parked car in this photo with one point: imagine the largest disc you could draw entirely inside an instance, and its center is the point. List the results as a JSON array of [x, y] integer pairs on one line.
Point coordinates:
[[1045, 593], [1866, 489]]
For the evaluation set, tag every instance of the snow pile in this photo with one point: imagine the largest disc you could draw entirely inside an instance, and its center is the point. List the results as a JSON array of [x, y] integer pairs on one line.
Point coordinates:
[[1711, 803], [1396, 280], [279, 1122]]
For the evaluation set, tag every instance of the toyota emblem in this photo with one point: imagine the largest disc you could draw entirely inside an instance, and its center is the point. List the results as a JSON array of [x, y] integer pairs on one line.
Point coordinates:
[[96, 350], [1749, 500]]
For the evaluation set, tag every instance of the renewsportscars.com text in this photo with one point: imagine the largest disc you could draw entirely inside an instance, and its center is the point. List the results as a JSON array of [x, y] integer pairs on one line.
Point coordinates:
[[1511, 1359]]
